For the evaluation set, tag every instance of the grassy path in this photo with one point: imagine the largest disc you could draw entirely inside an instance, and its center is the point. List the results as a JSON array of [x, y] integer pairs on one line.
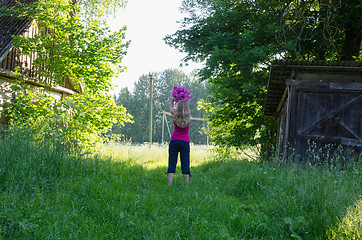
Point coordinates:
[[122, 193]]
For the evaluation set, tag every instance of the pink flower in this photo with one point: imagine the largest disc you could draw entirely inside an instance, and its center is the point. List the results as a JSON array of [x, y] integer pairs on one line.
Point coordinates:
[[180, 93]]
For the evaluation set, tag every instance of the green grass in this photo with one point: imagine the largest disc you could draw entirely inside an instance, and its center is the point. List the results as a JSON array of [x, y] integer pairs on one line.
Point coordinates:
[[121, 192]]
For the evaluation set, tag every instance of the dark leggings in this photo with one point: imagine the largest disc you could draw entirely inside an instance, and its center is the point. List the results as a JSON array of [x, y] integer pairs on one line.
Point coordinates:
[[182, 147]]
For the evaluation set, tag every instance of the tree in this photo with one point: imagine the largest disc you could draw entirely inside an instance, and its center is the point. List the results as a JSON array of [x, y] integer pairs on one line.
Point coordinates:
[[67, 47], [237, 40], [87, 53], [140, 110], [125, 99]]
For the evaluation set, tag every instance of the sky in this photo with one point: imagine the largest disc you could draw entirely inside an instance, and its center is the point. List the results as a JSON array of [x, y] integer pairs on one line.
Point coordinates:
[[148, 22]]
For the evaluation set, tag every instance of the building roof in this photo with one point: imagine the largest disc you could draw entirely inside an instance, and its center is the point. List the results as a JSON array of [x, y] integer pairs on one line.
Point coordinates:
[[280, 70], [10, 25]]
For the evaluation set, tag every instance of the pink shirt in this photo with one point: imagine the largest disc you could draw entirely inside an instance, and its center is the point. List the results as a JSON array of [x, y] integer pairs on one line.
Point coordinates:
[[180, 133]]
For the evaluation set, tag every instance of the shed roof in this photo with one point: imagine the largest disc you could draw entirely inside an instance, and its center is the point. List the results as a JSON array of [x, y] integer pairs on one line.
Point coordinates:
[[280, 70], [10, 25]]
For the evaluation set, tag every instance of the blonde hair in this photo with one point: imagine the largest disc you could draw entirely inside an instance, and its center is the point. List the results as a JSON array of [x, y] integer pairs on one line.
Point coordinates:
[[182, 114]]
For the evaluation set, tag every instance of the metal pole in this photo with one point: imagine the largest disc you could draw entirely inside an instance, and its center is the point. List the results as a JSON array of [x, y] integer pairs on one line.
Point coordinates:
[[163, 125], [151, 100], [207, 136]]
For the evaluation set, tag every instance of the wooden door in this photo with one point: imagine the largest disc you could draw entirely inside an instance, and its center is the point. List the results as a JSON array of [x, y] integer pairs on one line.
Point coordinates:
[[326, 116]]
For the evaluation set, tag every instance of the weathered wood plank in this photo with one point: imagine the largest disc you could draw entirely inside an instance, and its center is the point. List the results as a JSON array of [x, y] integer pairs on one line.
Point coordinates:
[[330, 115], [332, 76], [346, 86], [348, 130], [299, 83]]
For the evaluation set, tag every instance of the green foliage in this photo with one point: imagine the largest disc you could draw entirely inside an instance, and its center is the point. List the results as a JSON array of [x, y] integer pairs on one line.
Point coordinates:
[[350, 227], [137, 103], [222, 36], [92, 114], [237, 40], [76, 120], [71, 52], [121, 193], [67, 47]]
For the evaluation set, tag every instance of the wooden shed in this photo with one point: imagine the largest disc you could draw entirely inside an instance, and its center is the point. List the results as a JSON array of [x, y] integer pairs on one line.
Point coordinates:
[[317, 102], [10, 59]]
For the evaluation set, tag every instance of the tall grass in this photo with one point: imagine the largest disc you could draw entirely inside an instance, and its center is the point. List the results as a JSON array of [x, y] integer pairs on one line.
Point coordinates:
[[121, 192]]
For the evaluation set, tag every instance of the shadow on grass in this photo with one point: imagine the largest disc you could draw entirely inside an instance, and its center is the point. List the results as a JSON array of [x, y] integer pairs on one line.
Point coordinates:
[[46, 194]]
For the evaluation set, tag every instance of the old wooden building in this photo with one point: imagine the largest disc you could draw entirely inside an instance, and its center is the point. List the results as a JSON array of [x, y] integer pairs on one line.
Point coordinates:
[[317, 102], [10, 59]]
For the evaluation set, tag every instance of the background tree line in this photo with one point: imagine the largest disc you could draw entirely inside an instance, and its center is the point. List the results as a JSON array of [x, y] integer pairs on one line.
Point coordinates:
[[137, 104]]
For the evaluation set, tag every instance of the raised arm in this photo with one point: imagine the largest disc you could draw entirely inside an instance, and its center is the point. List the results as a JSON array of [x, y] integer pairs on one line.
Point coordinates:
[[170, 107]]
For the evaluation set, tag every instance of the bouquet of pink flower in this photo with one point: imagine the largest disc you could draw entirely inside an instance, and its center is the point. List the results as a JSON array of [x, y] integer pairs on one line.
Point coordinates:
[[180, 93]]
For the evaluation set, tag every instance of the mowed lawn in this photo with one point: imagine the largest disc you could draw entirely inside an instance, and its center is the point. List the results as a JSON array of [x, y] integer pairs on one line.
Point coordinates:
[[121, 192]]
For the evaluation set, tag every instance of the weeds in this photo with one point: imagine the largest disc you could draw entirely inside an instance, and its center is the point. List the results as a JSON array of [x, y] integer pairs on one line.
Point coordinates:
[[121, 192]]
